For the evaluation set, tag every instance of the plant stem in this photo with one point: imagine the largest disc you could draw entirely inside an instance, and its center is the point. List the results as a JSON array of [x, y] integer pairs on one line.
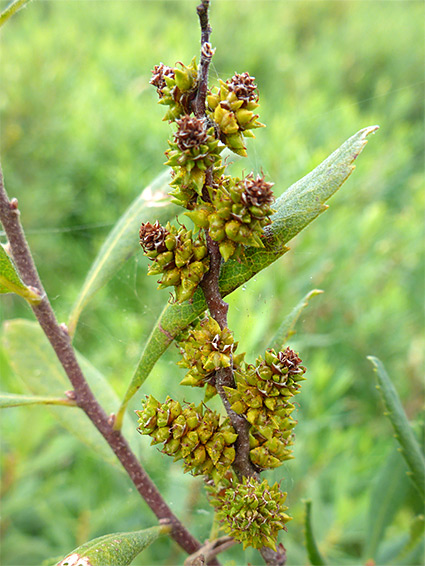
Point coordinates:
[[206, 54], [217, 307], [12, 9], [84, 398], [209, 284]]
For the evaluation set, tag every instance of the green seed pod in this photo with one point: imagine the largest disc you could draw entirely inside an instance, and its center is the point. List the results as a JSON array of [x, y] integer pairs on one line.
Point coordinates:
[[251, 512], [194, 149], [192, 433], [205, 349], [232, 107], [182, 260], [241, 209], [175, 88]]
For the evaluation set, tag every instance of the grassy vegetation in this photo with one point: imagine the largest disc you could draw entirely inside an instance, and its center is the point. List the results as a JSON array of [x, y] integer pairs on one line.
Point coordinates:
[[81, 136]]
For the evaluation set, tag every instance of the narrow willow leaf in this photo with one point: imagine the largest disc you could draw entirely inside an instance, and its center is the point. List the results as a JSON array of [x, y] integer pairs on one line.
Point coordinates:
[[286, 329], [122, 242], [313, 552], [33, 360], [11, 9], [119, 549], [295, 209], [10, 400], [403, 431], [10, 282], [387, 495]]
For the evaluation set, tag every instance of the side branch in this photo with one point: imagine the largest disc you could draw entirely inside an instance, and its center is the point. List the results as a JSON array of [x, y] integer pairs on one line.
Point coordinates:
[[61, 343]]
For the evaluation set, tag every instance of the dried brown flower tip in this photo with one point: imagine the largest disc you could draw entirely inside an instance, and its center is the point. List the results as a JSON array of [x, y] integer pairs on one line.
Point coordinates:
[[243, 86], [152, 237], [159, 72], [257, 191], [292, 361], [192, 132]]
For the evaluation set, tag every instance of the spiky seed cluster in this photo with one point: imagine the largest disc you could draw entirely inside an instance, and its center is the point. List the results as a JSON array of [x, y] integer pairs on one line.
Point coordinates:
[[158, 78], [263, 392], [205, 348], [152, 237], [182, 260], [243, 86], [257, 195], [191, 133], [191, 433], [232, 107], [176, 87], [252, 513], [194, 150], [238, 213]]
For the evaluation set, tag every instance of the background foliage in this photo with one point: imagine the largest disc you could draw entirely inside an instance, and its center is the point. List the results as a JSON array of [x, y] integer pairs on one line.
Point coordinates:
[[81, 136]]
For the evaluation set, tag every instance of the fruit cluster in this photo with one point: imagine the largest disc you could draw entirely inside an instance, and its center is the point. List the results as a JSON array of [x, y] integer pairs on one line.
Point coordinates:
[[191, 433], [182, 259], [251, 512], [233, 210], [263, 392], [205, 348]]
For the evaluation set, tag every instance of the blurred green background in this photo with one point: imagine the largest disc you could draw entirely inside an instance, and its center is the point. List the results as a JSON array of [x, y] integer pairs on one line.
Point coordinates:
[[81, 136]]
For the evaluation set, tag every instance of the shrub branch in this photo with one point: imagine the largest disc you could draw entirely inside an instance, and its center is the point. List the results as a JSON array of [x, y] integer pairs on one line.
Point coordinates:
[[61, 343]]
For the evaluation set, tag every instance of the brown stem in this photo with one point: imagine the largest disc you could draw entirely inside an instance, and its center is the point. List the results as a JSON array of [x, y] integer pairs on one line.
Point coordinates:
[[209, 285], [61, 343], [274, 557], [224, 377], [206, 55]]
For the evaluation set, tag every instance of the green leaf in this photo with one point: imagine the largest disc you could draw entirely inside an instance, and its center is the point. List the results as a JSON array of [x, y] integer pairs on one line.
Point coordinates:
[[34, 361], [10, 400], [11, 9], [403, 431], [286, 329], [295, 209], [388, 494], [313, 552], [119, 549], [10, 282], [122, 242]]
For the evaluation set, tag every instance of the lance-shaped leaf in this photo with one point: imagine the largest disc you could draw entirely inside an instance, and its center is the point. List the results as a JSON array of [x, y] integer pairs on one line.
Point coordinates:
[[122, 242], [11, 400], [119, 549], [33, 360], [286, 329], [295, 209], [403, 431], [313, 552], [10, 282]]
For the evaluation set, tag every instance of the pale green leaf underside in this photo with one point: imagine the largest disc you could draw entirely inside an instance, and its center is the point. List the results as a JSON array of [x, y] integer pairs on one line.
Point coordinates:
[[34, 362], [152, 204], [10, 282], [313, 552], [295, 209], [11, 400], [286, 329], [119, 549], [403, 431]]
